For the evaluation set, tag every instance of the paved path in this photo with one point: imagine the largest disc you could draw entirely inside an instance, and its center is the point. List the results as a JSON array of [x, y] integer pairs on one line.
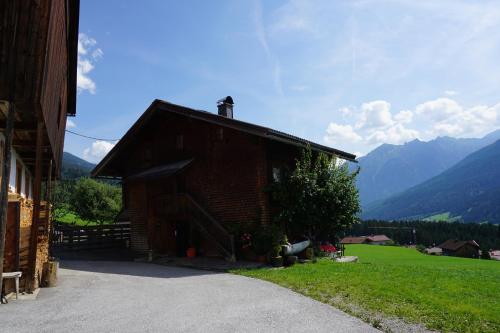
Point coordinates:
[[139, 297]]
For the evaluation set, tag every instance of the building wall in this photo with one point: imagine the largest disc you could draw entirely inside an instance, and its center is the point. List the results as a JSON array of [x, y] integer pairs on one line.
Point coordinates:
[[24, 216], [227, 176]]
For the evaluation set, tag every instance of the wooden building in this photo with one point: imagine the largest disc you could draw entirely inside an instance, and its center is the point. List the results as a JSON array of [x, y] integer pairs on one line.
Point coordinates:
[[457, 248], [38, 65], [372, 240], [189, 175]]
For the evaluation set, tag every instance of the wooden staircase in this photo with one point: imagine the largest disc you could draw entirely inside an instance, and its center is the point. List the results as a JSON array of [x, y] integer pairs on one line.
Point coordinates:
[[184, 204]]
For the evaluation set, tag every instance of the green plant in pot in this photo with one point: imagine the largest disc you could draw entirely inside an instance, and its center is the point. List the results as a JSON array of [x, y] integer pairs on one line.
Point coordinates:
[[276, 258], [261, 244]]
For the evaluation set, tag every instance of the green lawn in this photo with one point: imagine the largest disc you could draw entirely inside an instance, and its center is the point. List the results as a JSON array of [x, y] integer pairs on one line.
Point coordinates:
[[444, 293], [73, 219], [443, 217]]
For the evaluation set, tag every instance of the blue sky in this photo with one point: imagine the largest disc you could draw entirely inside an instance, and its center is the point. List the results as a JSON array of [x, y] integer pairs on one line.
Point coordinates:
[[349, 74]]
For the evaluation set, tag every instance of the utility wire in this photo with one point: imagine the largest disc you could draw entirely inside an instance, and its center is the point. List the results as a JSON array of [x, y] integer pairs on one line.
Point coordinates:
[[91, 137]]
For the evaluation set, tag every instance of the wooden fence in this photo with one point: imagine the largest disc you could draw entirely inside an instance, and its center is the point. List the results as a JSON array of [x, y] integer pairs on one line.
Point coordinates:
[[72, 237]]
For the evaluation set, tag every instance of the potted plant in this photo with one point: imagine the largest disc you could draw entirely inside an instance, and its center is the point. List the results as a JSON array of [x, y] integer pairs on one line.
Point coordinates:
[[247, 246], [261, 244], [276, 258]]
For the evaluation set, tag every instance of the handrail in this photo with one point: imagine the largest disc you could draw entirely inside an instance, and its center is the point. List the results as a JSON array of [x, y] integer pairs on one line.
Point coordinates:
[[206, 214], [228, 239]]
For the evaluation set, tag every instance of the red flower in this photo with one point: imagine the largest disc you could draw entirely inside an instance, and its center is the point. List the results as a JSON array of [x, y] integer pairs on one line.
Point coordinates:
[[328, 248]]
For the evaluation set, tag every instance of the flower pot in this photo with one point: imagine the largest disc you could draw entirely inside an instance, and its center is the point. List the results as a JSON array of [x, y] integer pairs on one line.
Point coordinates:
[[291, 260], [277, 261], [309, 253], [191, 252]]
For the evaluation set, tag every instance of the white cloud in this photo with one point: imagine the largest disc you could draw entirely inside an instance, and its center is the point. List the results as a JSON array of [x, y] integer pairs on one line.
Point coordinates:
[[336, 134], [439, 109], [88, 55], [397, 134], [450, 93], [374, 123], [404, 117], [97, 151], [298, 87], [70, 123], [261, 35], [375, 114]]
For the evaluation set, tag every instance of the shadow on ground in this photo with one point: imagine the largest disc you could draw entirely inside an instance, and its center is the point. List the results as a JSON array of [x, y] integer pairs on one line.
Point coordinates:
[[131, 268]]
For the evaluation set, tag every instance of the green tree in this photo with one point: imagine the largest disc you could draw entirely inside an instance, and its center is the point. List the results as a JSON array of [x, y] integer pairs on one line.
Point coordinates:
[[319, 196], [97, 201]]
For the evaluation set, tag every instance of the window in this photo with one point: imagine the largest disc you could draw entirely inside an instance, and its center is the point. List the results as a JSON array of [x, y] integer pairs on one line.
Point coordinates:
[[27, 185], [276, 174], [19, 176]]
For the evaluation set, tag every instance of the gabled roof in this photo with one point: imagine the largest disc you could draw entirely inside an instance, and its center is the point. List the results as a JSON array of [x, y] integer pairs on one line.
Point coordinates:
[[163, 106], [378, 238], [353, 240], [454, 244]]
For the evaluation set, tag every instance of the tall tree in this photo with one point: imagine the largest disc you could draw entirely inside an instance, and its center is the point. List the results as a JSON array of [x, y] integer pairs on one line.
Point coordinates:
[[319, 196]]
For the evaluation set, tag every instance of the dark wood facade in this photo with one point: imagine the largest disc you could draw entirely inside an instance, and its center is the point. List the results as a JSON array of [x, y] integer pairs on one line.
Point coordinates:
[[38, 60], [38, 70], [189, 175]]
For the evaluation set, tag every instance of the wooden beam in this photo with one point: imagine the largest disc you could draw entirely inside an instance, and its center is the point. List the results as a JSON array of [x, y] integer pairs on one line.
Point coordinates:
[[4, 192], [36, 207]]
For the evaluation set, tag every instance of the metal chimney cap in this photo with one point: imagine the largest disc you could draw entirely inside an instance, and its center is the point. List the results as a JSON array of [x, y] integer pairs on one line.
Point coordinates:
[[225, 100]]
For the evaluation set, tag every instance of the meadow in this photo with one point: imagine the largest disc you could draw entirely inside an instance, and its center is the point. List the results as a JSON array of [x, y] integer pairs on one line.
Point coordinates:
[[443, 293]]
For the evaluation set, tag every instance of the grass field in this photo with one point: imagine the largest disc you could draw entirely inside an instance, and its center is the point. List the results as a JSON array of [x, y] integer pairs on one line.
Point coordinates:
[[443, 293], [73, 219]]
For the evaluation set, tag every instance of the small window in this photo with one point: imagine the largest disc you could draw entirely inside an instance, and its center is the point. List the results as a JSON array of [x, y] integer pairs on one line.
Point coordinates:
[[276, 174], [179, 142], [19, 177], [27, 185]]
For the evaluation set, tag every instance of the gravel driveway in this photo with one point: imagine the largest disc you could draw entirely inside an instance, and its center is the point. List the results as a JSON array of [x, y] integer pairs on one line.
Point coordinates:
[[100, 296]]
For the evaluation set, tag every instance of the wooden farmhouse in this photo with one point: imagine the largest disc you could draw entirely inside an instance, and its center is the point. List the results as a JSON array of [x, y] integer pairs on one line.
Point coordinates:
[[190, 176], [457, 248], [372, 240], [38, 64]]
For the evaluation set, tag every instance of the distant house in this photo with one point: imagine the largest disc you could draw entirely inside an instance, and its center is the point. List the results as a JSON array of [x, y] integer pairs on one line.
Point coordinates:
[[457, 248], [495, 254], [372, 240], [353, 240], [436, 251], [191, 177], [378, 239]]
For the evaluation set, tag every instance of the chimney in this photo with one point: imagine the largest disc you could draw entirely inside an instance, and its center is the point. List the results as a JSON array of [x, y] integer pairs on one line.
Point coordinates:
[[225, 107]]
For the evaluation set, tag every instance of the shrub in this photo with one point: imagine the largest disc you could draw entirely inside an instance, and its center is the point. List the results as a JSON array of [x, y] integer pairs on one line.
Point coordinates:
[[319, 196]]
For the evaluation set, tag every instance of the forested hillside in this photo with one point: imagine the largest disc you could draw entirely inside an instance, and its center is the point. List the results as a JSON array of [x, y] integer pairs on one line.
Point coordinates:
[[81, 200]]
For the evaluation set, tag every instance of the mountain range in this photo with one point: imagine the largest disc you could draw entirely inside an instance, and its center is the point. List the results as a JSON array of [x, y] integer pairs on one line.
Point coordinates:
[[74, 167], [391, 169], [468, 191]]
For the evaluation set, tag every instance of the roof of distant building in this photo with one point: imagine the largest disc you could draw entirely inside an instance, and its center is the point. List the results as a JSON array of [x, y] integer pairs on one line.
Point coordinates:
[[455, 244]]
